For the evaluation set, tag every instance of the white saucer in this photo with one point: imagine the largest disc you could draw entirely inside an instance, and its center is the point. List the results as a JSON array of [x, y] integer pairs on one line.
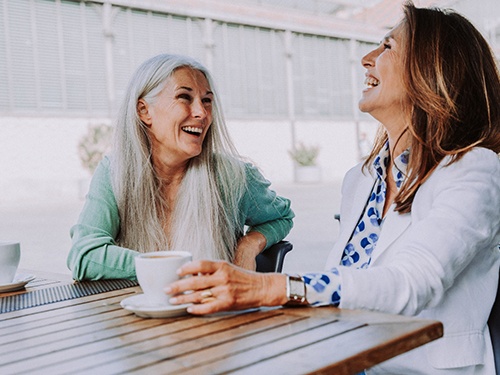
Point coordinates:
[[20, 280], [138, 305]]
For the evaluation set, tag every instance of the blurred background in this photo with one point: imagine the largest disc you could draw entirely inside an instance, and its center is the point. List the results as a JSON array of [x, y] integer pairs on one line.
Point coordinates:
[[288, 72]]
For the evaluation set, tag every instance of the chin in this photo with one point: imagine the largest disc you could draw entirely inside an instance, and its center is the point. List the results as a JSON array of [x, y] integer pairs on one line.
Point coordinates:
[[196, 153], [363, 106]]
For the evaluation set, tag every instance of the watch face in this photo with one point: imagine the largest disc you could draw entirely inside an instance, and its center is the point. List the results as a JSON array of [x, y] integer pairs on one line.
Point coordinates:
[[297, 288]]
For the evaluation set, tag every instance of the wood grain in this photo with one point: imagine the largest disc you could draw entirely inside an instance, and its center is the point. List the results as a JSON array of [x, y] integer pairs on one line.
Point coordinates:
[[94, 335]]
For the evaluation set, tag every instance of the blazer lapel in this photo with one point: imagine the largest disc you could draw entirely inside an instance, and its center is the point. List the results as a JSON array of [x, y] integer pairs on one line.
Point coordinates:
[[349, 220], [394, 226]]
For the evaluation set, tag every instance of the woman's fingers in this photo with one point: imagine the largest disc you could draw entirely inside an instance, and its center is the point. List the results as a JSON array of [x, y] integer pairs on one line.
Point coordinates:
[[207, 308], [193, 286], [199, 266], [201, 296], [220, 286]]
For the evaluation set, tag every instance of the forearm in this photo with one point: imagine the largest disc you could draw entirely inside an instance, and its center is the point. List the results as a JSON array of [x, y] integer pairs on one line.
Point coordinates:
[[249, 246], [111, 262], [93, 257]]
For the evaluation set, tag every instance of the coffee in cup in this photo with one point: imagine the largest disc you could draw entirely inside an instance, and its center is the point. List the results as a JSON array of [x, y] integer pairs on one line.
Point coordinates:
[[10, 254], [156, 270]]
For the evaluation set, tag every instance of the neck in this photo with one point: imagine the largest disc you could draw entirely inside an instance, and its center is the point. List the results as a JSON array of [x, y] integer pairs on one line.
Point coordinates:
[[398, 136], [396, 125], [169, 174], [397, 144]]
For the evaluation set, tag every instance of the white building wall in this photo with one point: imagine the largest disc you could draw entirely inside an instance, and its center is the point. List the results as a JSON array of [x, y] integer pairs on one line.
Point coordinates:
[[39, 160], [268, 143]]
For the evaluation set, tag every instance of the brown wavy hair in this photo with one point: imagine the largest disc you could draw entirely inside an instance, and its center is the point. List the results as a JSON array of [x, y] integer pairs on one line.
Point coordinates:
[[453, 85]]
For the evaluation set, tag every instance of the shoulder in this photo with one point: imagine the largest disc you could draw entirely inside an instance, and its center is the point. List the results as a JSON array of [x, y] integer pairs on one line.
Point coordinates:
[[479, 160], [225, 159], [254, 178], [250, 168], [106, 160], [355, 171], [239, 166], [354, 175], [101, 180], [476, 175], [102, 172]]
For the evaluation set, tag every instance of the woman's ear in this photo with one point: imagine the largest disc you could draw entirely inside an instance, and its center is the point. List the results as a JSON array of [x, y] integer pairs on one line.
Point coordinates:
[[143, 112]]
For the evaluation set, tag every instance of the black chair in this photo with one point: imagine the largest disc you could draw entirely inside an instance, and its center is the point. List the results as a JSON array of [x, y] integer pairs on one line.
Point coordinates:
[[271, 260], [494, 325]]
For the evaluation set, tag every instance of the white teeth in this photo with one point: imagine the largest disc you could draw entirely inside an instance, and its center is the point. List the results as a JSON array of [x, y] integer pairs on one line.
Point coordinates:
[[192, 129], [371, 82]]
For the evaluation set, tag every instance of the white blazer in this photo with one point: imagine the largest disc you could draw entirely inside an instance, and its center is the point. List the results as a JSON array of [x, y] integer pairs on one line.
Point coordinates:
[[441, 261]]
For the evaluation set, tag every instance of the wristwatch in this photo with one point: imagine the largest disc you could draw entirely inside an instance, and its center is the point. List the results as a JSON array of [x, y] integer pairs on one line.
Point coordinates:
[[295, 291]]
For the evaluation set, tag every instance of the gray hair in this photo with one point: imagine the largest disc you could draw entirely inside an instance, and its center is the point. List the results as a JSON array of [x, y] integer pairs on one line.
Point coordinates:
[[205, 219]]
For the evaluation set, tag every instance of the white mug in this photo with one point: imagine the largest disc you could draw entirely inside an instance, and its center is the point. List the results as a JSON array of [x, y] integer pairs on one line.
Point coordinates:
[[10, 254], [156, 270]]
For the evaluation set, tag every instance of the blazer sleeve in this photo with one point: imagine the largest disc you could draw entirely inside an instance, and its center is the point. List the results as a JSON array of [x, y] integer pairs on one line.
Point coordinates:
[[94, 254], [455, 224], [263, 210]]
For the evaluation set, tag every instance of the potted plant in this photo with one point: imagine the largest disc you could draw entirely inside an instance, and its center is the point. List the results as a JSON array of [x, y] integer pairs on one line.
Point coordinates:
[[304, 157], [91, 149]]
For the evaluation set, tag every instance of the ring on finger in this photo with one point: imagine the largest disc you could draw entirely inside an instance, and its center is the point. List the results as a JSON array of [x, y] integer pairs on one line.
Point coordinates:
[[207, 293], [208, 299]]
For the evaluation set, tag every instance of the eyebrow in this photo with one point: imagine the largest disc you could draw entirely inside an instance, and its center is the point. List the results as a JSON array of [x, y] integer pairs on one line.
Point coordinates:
[[190, 89], [386, 38]]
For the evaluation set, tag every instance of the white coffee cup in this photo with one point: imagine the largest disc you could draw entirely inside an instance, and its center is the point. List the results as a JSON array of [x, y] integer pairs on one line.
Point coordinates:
[[156, 270], [10, 254]]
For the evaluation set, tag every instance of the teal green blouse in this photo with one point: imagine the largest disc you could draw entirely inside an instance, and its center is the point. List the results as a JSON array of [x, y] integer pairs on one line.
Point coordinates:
[[95, 255]]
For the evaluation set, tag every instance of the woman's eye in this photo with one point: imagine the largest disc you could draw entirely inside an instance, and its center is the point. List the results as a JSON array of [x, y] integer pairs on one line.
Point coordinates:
[[185, 96], [387, 46], [207, 100]]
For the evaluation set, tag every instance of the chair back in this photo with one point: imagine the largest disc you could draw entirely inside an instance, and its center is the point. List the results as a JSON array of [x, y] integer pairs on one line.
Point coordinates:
[[494, 326], [271, 259]]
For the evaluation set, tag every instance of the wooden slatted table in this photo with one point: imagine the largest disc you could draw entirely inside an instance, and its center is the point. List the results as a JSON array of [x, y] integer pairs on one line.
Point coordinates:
[[94, 335], [43, 280]]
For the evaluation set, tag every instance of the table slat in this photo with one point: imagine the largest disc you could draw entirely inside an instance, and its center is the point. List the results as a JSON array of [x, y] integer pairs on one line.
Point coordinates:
[[347, 351], [153, 345], [94, 335]]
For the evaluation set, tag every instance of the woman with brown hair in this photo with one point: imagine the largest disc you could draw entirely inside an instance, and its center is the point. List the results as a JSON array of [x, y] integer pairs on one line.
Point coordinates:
[[420, 218]]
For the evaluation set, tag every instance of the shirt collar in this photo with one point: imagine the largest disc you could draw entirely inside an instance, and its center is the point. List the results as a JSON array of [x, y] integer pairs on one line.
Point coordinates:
[[398, 169]]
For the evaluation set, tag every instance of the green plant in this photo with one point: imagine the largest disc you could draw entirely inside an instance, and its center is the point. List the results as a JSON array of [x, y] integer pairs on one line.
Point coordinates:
[[304, 155], [94, 144]]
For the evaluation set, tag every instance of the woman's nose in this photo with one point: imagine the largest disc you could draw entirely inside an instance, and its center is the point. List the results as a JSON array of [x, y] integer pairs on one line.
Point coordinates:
[[198, 110], [368, 60]]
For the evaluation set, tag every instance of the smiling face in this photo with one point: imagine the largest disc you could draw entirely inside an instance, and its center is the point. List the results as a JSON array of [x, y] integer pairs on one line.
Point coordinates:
[[385, 96], [179, 117]]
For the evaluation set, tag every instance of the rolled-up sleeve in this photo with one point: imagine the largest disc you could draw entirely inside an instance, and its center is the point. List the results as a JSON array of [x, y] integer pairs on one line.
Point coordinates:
[[263, 210], [94, 254]]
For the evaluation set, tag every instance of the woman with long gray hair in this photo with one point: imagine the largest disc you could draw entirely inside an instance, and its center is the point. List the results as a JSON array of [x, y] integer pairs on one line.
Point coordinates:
[[174, 181]]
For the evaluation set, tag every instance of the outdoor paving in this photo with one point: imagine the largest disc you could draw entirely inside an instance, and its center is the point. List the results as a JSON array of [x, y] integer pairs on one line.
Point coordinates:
[[43, 228]]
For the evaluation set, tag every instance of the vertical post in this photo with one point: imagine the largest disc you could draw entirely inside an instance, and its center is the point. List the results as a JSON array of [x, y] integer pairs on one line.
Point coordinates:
[[107, 29], [353, 61], [290, 89], [209, 43]]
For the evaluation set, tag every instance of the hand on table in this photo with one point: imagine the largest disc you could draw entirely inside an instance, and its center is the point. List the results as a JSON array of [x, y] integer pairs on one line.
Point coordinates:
[[221, 286]]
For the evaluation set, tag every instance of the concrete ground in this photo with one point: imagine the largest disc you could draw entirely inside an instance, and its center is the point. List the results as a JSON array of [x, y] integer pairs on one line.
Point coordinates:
[[43, 228]]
